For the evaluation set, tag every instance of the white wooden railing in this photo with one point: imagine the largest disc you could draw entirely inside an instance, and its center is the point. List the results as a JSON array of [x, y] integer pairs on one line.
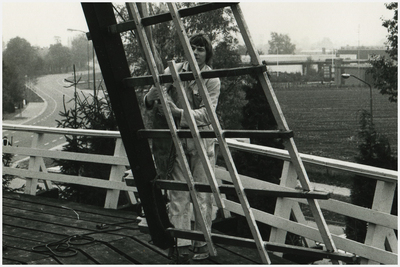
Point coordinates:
[[380, 245], [38, 171]]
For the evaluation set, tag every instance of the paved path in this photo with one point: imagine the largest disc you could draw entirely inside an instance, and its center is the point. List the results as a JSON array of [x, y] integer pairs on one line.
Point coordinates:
[[32, 110]]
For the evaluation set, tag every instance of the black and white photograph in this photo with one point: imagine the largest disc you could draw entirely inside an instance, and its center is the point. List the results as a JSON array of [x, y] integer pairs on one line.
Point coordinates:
[[217, 133]]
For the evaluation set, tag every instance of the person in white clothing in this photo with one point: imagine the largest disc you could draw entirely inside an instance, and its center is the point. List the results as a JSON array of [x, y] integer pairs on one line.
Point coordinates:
[[179, 206]]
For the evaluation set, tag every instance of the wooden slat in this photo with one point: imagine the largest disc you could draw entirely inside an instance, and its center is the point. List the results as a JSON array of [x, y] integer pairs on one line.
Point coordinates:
[[252, 254], [343, 243], [67, 213], [298, 194], [185, 133], [116, 174], [34, 165], [61, 131], [131, 82], [66, 226], [44, 226], [339, 207], [18, 242], [105, 159], [63, 178], [230, 189], [23, 233], [245, 242], [23, 248], [358, 212], [226, 254], [249, 253], [103, 254], [22, 256], [137, 252], [46, 261], [146, 240], [383, 199], [91, 210], [164, 17], [364, 170]]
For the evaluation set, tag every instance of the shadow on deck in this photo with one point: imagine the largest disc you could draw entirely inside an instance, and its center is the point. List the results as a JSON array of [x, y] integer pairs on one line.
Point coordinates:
[[33, 221]]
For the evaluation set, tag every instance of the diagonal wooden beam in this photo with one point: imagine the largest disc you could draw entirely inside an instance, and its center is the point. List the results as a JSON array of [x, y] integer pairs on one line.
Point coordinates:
[[114, 66]]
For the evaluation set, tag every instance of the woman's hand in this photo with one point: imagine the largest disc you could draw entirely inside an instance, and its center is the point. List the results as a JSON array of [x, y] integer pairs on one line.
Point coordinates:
[[152, 96], [176, 112]]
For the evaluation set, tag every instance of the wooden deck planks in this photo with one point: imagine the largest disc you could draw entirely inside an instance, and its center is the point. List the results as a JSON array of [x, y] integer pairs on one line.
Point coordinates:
[[138, 252], [104, 254], [88, 209], [21, 256], [23, 233], [41, 226], [30, 221], [64, 212]]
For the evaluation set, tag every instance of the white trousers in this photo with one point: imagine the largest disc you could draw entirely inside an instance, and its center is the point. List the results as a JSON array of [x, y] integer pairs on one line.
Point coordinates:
[[179, 207]]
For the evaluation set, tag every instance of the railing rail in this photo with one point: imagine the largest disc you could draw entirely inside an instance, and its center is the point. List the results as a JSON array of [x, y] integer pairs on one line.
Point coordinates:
[[381, 242], [355, 168]]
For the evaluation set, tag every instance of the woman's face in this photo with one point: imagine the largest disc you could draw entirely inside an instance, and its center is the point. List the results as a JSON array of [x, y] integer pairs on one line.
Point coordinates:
[[200, 55]]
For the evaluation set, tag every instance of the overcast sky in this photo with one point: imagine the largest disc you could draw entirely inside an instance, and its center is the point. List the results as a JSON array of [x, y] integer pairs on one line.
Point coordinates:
[[344, 23]]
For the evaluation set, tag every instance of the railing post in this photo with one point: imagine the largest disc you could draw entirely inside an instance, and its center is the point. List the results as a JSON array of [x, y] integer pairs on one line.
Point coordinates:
[[34, 165], [285, 207], [116, 174], [379, 236]]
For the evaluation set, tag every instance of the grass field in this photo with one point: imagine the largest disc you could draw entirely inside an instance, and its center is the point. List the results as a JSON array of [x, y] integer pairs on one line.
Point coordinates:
[[325, 120]]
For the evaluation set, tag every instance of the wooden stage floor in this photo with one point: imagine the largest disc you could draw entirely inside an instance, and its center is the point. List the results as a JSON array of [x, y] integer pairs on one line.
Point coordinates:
[[32, 222]]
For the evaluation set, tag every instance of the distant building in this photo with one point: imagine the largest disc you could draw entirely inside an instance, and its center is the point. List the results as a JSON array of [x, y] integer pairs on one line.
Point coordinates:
[[360, 52], [321, 51], [293, 63]]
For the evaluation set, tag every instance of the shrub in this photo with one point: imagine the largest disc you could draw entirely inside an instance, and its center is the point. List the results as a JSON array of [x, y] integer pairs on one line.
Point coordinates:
[[374, 150]]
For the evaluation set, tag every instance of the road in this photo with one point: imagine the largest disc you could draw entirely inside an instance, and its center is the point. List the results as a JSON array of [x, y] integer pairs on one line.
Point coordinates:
[[51, 88]]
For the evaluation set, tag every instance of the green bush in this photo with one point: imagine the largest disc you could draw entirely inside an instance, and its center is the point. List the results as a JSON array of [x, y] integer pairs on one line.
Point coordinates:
[[374, 150]]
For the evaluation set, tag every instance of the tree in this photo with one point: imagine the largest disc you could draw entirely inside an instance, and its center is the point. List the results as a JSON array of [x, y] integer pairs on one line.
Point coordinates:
[[384, 70], [218, 24], [280, 44], [13, 87], [89, 112], [22, 55], [7, 178], [58, 59], [79, 51], [257, 115], [232, 97], [20, 61]]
